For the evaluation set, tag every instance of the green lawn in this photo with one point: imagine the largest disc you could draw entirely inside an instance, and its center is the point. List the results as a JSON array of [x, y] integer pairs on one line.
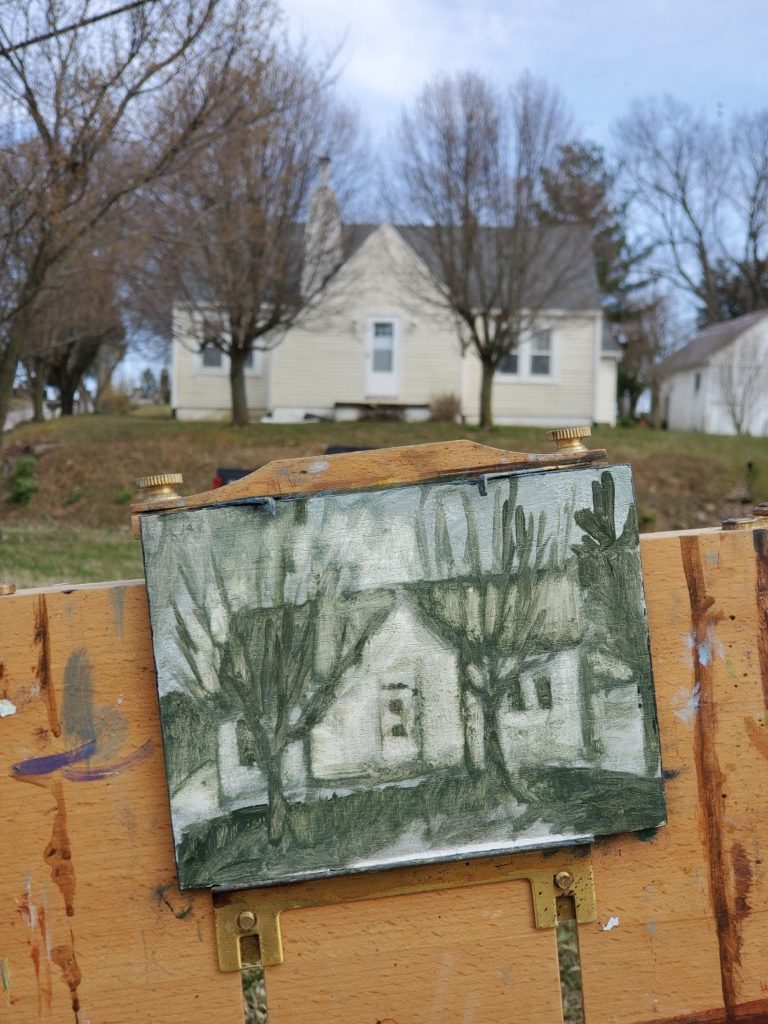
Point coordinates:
[[75, 527], [40, 556]]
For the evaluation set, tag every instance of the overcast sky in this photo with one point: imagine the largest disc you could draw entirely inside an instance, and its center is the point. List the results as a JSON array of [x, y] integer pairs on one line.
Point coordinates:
[[601, 53]]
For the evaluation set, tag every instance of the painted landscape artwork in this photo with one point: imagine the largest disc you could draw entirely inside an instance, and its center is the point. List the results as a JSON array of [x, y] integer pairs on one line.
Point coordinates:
[[355, 681]]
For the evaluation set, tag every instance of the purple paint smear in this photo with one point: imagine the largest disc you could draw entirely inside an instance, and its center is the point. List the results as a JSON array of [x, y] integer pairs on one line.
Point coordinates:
[[104, 771], [51, 763]]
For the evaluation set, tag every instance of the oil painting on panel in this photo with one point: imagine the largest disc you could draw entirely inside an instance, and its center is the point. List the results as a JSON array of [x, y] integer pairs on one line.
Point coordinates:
[[363, 680]]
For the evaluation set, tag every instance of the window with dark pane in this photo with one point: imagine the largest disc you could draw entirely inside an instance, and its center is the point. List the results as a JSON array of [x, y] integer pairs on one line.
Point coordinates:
[[509, 363], [543, 688], [246, 752], [211, 354], [541, 353], [397, 710]]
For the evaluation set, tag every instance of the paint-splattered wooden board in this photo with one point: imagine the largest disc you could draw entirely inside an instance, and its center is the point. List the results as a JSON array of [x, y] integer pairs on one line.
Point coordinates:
[[90, 916]]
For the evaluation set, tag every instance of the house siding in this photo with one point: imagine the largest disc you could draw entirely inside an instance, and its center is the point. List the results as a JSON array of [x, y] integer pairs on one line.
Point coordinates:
[[206, 394], [322, 361], [685, 408], [566, 398]]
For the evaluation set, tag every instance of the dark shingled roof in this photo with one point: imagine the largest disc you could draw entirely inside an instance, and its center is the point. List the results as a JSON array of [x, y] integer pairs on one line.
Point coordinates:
[[353, 236], [710, 341], [566, 271]]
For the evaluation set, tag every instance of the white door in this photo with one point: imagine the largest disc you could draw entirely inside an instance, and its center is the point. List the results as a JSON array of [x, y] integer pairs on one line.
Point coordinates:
[[381, 359]]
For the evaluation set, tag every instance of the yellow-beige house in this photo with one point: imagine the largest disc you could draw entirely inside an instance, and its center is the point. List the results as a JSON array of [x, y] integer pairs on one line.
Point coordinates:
[[379, 339]]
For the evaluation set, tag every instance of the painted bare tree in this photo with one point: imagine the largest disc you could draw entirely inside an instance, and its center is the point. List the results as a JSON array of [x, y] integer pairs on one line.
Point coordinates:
[[492, 615], [277, 665], [609, 567]]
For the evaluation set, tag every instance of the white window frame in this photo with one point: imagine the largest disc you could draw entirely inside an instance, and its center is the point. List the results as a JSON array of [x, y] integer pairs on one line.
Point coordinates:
[[525, 354], [200, 320], [550, 353], [507, 373]]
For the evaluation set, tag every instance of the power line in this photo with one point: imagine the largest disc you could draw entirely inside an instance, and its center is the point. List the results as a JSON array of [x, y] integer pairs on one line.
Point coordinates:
[[43, 37]]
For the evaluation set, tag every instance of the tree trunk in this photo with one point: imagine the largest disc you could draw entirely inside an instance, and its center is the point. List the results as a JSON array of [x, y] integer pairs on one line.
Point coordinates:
[[38, 390], [67, 395], [109, 357], [470, 765], [9, 361], [237, 383], [278, 810], [589, 712], [493, 755], [486, 403]]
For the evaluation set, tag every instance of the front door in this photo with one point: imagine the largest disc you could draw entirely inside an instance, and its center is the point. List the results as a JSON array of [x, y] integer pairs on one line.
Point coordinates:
[[381, 359]]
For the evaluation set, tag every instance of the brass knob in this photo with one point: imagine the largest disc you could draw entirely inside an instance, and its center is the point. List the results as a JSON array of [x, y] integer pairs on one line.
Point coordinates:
[[159, 487], [564, 880], [569, 438]]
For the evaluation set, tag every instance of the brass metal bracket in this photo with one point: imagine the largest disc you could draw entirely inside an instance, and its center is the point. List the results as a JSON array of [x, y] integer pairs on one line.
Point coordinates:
[[561, 880]]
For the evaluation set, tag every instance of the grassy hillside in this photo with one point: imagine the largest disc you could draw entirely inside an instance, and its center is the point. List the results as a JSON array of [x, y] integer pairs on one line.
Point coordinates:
[[75, 526]]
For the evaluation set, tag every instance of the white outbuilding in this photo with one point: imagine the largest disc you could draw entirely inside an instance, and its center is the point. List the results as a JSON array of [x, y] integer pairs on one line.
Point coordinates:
[[718, 382]]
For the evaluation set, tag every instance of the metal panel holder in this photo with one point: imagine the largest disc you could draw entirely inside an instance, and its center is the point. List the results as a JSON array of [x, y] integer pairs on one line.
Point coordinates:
[[561, 882]]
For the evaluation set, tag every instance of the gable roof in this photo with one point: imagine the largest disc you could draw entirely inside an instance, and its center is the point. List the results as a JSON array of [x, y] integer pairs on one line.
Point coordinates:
[[710, 341], [567, 268], [566, 265]]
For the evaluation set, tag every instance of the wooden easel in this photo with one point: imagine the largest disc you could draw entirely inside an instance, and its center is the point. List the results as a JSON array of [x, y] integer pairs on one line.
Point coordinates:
[[93, 928]]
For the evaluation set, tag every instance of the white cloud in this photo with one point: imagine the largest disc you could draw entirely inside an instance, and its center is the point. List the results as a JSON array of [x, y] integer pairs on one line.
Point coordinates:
[[601, 53]]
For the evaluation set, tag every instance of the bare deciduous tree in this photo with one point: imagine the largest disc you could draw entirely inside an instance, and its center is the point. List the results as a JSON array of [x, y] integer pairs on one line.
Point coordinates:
[[741, 377], [646, 336], [700, 192], [471, 173], [75, 326], [87, 122], [229, 236]]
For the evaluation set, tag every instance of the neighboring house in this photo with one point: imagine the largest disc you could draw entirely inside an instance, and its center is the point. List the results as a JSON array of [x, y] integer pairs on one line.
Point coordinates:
[[378, 338], [718, 382]]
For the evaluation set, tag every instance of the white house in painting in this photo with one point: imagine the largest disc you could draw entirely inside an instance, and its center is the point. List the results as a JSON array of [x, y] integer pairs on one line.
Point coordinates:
[[718, 382], [396, 718], [378, 339]]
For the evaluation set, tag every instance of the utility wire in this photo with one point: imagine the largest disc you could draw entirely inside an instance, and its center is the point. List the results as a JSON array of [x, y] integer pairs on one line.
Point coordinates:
[[4, 51]]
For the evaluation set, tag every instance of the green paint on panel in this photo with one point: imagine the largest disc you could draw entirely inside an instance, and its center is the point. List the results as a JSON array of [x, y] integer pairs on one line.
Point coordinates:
[[353, 681]]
